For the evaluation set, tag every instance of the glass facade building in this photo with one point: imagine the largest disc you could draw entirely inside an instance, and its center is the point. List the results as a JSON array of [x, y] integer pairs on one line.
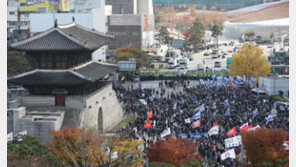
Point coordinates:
[[219, 4]]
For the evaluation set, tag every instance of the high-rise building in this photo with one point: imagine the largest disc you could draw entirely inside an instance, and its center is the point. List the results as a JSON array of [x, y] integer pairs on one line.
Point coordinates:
[[123, 6], [132, 23]]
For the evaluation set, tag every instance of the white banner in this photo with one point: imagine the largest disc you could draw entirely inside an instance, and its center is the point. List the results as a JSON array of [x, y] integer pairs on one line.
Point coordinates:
[[25, 132], [233, 141], [228, 154], [187, 121], [166, 132], [10, 137], [286, 145], [214, 130]]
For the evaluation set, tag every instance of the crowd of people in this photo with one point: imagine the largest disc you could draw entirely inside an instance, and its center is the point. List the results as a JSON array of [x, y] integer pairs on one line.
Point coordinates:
[[175, 101]]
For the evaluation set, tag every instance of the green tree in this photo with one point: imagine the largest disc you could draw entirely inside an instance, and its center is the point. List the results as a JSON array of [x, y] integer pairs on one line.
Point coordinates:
[[217, 29], [160, 164], [16, 62], [23, 152], [196, 32], [164, 35], [193, 163], [126, 52]]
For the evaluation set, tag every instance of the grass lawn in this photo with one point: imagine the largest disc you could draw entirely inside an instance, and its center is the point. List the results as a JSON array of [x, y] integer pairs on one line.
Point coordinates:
[[123, 122]]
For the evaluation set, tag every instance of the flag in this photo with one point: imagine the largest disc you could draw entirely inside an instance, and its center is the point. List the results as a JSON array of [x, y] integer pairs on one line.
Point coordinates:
[[196, 116], [175, 106], [182, 101], [255, 113], [230, 84], [138, 86], [238, 78], [251, 81], [209, 83], [185, 71], [214, 106], [214, 130], [269, 118], [213, 77], [228, 154], [234, 95], [187, 120], [200, 108], [166, 132], [236, 83], [196, 124], [147, 125], [201, 81], [227, 111], [195, 99], [245, 127], [232, 132], [183, 135], [226, 102], [10, 137], [179, 73], [215, 113], [274, 105], [197, 135], [257, 90], [150, 115], [244, 78], [254, 128]]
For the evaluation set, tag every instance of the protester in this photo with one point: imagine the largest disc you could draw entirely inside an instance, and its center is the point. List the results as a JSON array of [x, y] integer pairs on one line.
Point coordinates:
[[212, 102]]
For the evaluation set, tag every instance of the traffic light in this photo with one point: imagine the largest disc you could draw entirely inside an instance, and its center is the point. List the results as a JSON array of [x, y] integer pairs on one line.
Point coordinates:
[[145, 23]]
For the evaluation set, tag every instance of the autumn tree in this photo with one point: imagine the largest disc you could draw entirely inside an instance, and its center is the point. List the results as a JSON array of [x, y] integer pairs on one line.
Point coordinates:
[[126, 52], [76, 147], [249, 61], [173, 151], [264, 146], [197, 32], [128, 152], [217, 29]]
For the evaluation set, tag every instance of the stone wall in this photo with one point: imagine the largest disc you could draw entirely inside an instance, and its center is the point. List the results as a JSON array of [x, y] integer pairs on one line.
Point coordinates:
[[39, 129], [111, 114]]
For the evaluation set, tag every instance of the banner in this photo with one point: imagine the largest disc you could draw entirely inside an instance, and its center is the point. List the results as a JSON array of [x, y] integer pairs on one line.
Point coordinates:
[[48, 5], [214, 130], [286, 145], [183, 135], [166, 132], [196, 124], [254, 128], [10, 137], [228, 154], [187, 121], [233, 141], [197, 135]]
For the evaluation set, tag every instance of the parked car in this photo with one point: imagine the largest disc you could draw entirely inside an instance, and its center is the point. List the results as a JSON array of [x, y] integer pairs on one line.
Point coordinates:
[[217, 64], [207, 53], [200, 67]]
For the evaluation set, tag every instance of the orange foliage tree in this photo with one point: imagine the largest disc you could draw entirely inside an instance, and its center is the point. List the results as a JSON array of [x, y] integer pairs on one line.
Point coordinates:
[[264, 146], [173, 151], [75, 147]]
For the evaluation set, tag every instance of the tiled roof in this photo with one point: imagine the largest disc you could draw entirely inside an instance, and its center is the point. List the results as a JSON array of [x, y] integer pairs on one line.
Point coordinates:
[[87, 73], [50, 77], [96, 70], [69, 37]]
